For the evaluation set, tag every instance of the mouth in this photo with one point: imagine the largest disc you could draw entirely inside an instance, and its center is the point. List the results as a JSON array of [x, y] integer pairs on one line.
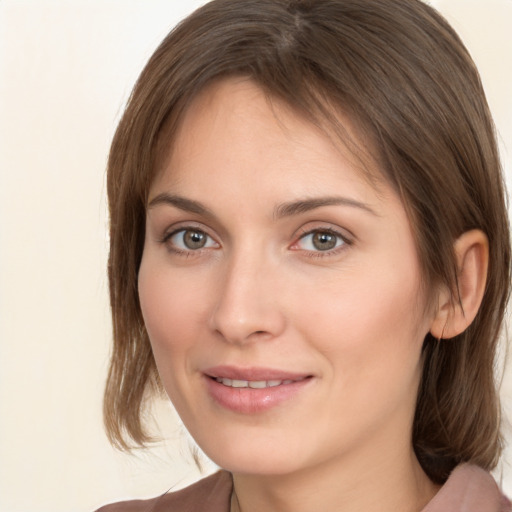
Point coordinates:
[[254, 390], [256, 384]]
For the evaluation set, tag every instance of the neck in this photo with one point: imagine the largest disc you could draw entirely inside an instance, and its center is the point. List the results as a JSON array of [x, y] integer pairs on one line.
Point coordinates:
[[392, 483]]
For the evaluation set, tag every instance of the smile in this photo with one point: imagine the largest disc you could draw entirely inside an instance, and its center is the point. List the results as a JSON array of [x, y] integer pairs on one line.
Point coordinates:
[[254, 390], [254, 384]]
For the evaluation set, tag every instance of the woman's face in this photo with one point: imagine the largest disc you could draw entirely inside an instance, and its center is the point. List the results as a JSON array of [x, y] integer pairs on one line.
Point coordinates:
[[281, 291]]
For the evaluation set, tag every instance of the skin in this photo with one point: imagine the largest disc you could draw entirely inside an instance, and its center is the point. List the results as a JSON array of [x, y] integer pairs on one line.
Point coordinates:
[[259, 293]]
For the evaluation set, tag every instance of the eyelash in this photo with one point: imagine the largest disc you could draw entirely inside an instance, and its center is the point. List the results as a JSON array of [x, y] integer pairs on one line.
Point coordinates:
[[312, 253]]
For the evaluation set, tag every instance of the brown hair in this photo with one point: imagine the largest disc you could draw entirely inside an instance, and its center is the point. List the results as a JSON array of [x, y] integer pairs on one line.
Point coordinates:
[[405, 79]]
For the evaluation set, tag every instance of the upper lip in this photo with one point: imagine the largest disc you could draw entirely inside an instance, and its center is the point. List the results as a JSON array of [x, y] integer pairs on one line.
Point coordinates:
[[252, 373]]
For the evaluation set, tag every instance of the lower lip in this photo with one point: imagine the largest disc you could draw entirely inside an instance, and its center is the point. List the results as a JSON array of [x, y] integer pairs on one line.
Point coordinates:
[[250, 400]]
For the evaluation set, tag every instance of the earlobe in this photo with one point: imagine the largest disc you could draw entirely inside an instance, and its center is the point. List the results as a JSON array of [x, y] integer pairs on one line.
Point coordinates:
[[458, 308]]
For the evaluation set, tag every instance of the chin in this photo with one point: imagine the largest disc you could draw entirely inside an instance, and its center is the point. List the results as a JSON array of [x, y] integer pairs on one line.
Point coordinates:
[[259, 465], [257, 455]]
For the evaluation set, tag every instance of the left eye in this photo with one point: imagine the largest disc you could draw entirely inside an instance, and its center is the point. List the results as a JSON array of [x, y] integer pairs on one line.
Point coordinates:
[[191, 240], [320, 241]]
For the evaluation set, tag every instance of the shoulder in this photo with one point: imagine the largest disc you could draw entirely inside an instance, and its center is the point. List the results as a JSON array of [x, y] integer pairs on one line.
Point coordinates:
[[469, 489], [211, 494]]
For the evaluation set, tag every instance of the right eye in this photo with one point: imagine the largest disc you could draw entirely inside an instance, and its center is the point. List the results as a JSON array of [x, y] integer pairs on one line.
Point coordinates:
[[190, 239]]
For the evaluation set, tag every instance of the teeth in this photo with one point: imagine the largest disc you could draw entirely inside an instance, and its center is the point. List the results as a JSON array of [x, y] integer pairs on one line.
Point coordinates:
[[254, 384], [257, 384]]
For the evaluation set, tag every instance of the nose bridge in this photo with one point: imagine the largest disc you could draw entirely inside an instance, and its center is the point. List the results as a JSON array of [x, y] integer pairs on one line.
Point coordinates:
[[247, 306]]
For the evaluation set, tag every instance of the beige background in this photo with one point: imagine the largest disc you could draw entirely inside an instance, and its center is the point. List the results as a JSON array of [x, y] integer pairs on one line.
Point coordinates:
[[66, 69]]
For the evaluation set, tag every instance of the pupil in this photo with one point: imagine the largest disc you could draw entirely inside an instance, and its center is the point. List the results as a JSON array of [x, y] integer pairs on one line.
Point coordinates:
[[324, 241], [194, 239]]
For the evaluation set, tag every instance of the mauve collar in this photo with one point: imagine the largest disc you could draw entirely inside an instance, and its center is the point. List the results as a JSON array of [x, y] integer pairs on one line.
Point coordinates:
[[469, 489]]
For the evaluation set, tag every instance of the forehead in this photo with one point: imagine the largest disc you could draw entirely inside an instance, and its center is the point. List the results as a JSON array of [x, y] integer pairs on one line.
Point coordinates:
[[239, 110]]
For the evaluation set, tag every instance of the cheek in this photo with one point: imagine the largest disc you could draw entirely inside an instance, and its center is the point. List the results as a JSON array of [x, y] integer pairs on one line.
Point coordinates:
[[167, 309], [374, 352], [171, 323], [369, 323]]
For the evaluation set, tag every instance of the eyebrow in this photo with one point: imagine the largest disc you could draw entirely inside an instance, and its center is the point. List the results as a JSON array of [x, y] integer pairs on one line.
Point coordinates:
[[283, 210], [306, 205], [182, 203]]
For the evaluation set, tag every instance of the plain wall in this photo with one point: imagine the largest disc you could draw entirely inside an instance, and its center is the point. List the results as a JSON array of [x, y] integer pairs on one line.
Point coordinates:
[[66, 69]]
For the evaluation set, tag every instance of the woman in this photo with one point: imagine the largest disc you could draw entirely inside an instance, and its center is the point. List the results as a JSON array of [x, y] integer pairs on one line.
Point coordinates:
[[310, 255]]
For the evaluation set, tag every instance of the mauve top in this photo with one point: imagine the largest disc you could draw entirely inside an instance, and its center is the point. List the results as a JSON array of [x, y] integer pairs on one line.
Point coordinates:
[[469, 489]]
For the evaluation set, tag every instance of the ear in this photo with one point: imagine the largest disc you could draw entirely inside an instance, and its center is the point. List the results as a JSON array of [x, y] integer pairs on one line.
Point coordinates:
[[456, 311]]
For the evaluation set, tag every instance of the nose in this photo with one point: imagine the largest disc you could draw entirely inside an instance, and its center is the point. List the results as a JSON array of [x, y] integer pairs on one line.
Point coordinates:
[[248, 305]]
